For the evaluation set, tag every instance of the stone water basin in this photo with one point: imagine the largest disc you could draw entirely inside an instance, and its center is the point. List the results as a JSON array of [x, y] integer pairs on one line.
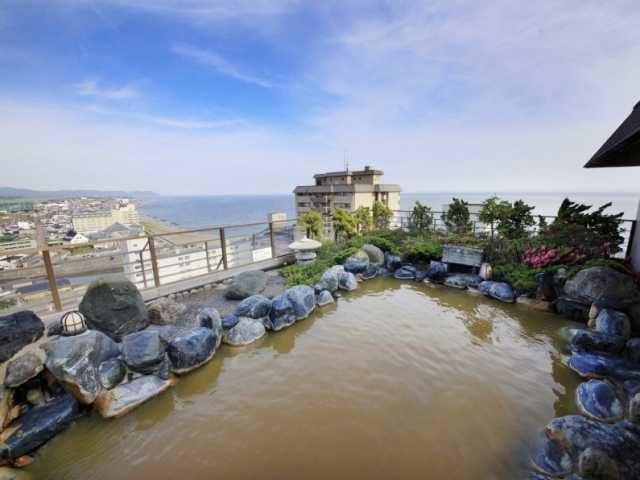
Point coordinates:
[[397, 380]]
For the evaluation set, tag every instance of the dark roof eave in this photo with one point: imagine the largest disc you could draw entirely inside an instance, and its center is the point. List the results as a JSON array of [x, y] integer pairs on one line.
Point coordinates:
[[622, 148]]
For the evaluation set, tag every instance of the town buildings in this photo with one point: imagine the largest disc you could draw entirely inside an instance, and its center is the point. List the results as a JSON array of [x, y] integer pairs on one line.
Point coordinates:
[[96, 221]]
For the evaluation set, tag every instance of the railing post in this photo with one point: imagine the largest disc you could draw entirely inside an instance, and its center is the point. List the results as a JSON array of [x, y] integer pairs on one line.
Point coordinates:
[[51, 277], [206, 250], [154, 261], [144, 275], [272, 238], [223, 246]]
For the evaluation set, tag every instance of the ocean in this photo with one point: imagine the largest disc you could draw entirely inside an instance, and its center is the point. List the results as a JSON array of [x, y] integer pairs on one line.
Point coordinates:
[[203, 211]]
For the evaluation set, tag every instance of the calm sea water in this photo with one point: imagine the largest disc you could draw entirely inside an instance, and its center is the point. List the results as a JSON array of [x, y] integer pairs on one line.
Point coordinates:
[[194, 212]]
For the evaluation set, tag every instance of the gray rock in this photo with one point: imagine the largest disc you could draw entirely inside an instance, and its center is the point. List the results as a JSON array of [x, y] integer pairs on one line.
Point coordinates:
[[597, 399], [167, 332], [594, 463], [392, 262], [246, 284], [330, 278], [375, 255], [632, 350], [357, 263], [347, 281], [405, 273], [210, 318], [74, 362], [23, 368], [18, 330], [463, 280], [229, 321], [572, 309], [143, 352], [325, 298], [282, 313], [192, 349], [115, 307], [164, 311], [370, 273], [255, 306], [303, 300], [594, 341], [549, 457], [499, 290], [127, 396], [602, 283], [111, 373], [634, 408], [38, 426], [612, 322], [246, 331], [437, 271]]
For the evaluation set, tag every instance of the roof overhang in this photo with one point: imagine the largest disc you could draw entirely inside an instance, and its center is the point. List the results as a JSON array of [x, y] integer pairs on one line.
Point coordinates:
[[622, 148]]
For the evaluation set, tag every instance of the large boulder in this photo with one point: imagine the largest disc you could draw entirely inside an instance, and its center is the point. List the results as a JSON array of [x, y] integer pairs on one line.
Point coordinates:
[[499, 290], [325, 298], [210, 318], [357, 263], [370, 273], [282, 313], [611, 322], [330, 279], [255, 306], [22, 369], [549, 457], [376, 256], [127, 396], [246, 331], [245, 284], [601, 365], [229, 321], [40, 424], [391, 261], [632, 350], [115, 307], [192, 349], [164, 311], [405, 273], [597, 399], [594, 341], [111, 373], [437, 271], [74, 362], [18, 330], [143, 352], [463, 280], [303, 300], [602, 283], [571, 309], [347, 281]]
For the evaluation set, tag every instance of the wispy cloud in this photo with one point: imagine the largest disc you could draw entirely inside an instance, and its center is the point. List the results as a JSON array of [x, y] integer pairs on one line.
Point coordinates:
[[213, 60], [92, 88]]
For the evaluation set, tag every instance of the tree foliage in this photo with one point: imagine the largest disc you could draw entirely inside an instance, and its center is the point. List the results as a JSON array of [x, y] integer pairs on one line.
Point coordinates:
[[312, 223], [381, 216], [344, 224], [420, 219], [363, 219], [514, 219], [457, 217]]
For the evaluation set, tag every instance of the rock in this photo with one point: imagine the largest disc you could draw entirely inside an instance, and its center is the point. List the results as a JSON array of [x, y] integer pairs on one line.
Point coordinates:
[[632, 350], [282, 313], [572, 309], [115, 307], [54, 328], [404, 273], [599, 366], [192, 349], [18, 330], [246, 284], [463, 280], [437, 271], [325, 298], [347, 281], [210, 318], [549, 457], [370, 273], [255, 306], [612, 322], [534, 303], [634, 318], [6, 402], [593, 341], [597, 399], [37, 426], [246, 331], [35, 396], [595, 463], [602, 283], [167, 332], [303, 299], [111, 373], [164, 311], [127, 396], [375, 255], [143, 352], [229, 321], [546, 286], [634, 408], [392, 262], [330, 278], [499, 290], [23, 368], [357, 263], [74, 362]]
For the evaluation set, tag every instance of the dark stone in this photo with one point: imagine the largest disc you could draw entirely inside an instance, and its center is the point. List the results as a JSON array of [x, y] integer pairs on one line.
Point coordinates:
[[38, 426], [246, 284], [282, 313], [572, 309], [325, 298], [634, 408], [437, 271], [612, 322], [23, 368], [599, 283], [376, 256], [499, 290], [597, 399], [229, 321], [303, 299], [392, 262], [347, 281], [192, 349], [463, 280], [595, 463], [255, 306], [355, 265], [421, 275], [632, 350], [74, 362], [550, 458], [115, 307], [54, 328], [209, 318], [18, 330], [246, 331], [143, 352], [164, 311], [405, 273], [370, 273], [598, 366], [167, 332], [384, 272], [111, 373], [593, 341], [546, 286]]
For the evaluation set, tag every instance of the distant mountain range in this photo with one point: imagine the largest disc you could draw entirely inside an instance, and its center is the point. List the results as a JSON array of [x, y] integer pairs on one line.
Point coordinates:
[[28, 193]]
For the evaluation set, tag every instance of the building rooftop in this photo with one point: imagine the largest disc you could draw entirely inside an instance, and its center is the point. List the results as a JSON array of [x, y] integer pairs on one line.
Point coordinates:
[[622, 149], [367, 171]]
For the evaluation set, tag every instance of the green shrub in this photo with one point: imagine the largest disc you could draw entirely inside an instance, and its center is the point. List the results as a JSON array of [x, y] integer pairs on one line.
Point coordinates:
[[518, 275], [421, 251]]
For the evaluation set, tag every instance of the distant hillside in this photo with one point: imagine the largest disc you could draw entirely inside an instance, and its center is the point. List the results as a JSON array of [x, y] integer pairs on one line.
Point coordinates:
[[28, 193]]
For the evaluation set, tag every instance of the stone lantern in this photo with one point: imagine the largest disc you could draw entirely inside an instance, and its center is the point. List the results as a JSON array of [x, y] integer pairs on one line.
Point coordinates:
[[305, 250]]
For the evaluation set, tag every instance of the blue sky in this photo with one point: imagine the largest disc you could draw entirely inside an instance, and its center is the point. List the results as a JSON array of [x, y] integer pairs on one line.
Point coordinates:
[[254, 96]]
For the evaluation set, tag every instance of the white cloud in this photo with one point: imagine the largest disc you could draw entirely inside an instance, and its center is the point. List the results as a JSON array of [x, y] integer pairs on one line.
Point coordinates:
[[213, 60], [92, 88]]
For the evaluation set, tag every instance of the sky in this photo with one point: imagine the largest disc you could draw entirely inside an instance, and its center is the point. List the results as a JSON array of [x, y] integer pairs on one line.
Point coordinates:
[[214, 97]]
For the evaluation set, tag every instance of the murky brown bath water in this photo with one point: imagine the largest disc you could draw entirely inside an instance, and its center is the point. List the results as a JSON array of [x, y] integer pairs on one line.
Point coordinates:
[[399, 380]]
